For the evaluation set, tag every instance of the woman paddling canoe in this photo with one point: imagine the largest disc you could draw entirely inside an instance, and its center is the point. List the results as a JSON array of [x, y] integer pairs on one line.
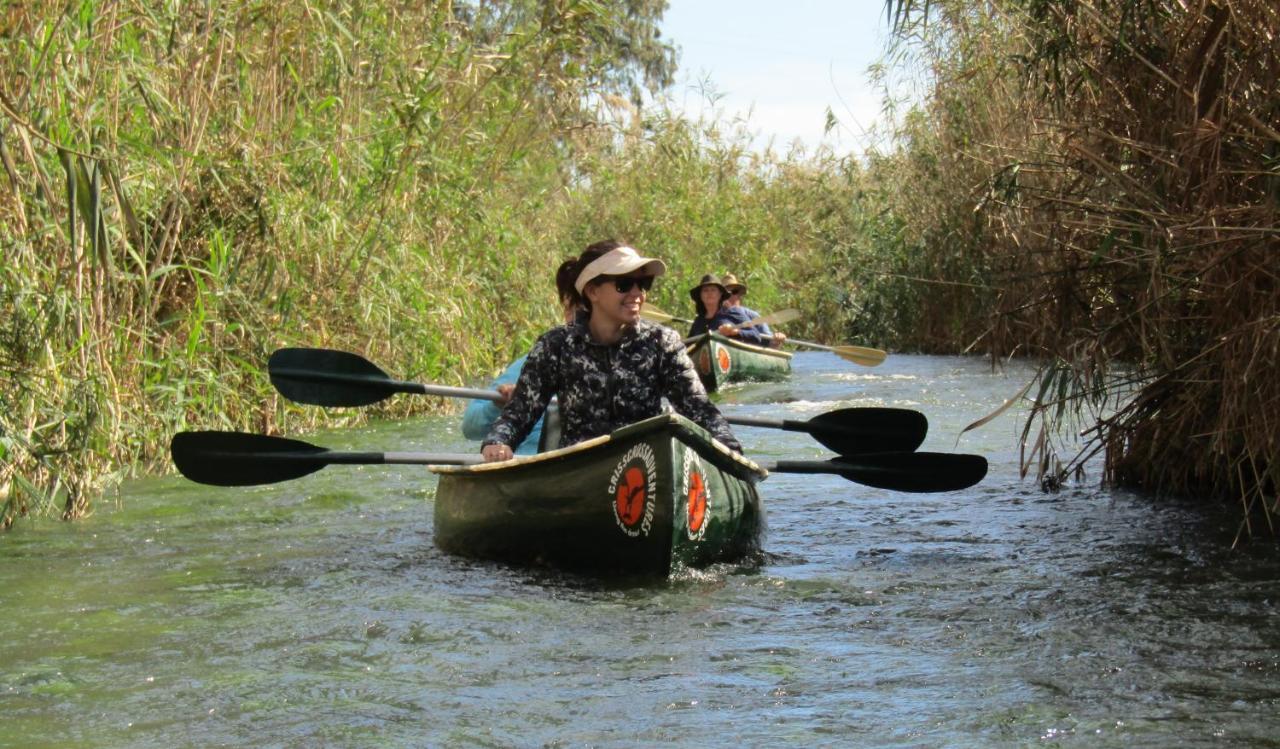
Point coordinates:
[[609, 368]]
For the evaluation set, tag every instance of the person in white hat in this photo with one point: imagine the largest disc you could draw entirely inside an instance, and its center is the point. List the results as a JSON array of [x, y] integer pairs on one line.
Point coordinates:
[[609, 368]]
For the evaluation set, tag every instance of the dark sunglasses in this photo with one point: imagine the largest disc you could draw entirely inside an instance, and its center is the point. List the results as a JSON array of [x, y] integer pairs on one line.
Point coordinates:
[[624, 283]]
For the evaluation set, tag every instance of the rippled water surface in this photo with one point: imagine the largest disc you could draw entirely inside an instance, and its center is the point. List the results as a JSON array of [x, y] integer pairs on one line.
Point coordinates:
[[319, 613]]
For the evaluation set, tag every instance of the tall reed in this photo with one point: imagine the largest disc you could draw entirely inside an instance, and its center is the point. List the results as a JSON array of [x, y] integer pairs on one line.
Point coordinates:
[[1119, 162]]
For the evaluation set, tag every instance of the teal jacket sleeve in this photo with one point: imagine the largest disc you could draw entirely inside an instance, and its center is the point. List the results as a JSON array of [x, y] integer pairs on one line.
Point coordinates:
[[480, 414]]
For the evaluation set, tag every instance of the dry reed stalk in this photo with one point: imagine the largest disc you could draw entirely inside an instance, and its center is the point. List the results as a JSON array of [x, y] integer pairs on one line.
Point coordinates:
[[1166, 175]]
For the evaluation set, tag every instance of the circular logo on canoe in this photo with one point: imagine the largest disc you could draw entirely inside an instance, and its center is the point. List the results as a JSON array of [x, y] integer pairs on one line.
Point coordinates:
[[704, 360], [631, 490], [722, 358], [697, 496]]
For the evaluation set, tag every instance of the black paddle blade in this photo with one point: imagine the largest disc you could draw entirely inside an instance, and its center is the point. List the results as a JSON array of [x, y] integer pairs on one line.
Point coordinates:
[[851, 431], [326, 377], [903, 472], [241, 459], [913, 472]]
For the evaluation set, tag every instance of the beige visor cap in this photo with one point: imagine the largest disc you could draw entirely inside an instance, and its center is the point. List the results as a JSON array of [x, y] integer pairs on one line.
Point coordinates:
[[616, 262]]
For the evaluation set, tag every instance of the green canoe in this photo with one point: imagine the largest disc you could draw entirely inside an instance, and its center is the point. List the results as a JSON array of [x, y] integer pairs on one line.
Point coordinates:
[[646, 500], [720, 360]]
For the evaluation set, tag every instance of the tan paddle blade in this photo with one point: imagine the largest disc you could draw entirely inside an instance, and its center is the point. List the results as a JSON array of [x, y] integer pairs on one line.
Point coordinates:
[[867, 357], [773, 318], [653, 314]]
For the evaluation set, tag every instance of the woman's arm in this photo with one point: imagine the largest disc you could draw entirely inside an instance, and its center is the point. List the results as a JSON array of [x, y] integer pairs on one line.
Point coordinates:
[[736, 316], [685, 392], [538, 381], [480, 414]]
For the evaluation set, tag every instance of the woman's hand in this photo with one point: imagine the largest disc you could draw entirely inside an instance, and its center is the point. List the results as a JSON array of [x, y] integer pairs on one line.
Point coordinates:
[[727, 330], [495, 453], [504, 392]]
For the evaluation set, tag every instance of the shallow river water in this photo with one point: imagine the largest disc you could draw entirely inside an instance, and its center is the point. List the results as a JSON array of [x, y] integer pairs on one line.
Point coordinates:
[[319, 613]]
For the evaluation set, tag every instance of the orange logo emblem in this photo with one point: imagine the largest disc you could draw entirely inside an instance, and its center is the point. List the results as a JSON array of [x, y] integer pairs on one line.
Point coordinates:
[[631, 490], [697, 496], [629, 499], [704, 360], [722, 358], [697, 504]]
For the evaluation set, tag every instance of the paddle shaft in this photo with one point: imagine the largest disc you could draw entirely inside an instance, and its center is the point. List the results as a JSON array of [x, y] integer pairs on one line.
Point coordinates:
[[809, 344], [325, 377], [240, 459], [338, 457], [396, 386]]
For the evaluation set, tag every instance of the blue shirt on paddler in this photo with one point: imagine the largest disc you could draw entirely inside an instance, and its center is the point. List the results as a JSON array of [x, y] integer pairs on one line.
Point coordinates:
[[732, 316], [480, 414], [762, 328]]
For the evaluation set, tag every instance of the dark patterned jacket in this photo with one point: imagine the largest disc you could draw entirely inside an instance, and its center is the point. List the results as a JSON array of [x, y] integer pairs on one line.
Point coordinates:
[[733, 316], [602, 388]]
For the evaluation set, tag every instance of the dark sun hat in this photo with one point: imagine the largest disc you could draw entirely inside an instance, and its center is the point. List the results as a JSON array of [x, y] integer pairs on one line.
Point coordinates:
[[710, 279]]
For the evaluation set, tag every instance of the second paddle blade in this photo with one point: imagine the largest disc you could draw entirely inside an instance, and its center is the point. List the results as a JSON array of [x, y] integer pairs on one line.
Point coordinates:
[[326, 377], [914, 472], [849, 431], [902, 472]]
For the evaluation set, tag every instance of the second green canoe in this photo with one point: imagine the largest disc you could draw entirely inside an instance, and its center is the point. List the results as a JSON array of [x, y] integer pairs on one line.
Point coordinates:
[[720, 360]]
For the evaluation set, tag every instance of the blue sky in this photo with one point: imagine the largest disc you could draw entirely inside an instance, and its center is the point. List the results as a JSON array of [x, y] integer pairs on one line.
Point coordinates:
[[784, 62]]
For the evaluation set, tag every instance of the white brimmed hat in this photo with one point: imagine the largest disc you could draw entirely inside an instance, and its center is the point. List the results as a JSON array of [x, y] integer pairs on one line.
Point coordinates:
[[616, 262]]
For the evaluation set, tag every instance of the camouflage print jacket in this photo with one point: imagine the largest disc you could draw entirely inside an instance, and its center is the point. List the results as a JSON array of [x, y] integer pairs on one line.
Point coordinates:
[[602, 388]]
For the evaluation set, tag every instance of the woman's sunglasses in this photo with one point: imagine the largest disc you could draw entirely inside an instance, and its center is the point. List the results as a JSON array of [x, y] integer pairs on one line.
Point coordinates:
[[624, 283]]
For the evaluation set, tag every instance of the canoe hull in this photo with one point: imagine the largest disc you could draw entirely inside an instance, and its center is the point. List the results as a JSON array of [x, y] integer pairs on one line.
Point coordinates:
[[720, 360], [647, 500]]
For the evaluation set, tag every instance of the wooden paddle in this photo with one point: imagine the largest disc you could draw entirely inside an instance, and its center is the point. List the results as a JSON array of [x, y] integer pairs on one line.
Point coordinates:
[[867, 357], [862, 355], [240, 459], [325, 377], [653, 314]]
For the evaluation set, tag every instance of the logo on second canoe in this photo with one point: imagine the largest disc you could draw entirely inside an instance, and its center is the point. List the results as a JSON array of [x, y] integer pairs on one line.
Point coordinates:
[[704, 360], [631, 490], [722, 358], [697, 496]]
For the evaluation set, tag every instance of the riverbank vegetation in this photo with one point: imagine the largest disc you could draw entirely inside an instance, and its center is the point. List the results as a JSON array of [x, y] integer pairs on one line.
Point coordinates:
[[1108, 176], [186, 188]]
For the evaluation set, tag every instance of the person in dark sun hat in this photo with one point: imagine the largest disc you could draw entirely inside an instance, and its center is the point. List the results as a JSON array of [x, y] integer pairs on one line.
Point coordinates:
[[709, 298], [609, 368]]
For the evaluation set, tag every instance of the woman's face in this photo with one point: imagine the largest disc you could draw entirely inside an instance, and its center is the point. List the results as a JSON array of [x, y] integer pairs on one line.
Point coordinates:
[[619, 307], [710, 296]]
